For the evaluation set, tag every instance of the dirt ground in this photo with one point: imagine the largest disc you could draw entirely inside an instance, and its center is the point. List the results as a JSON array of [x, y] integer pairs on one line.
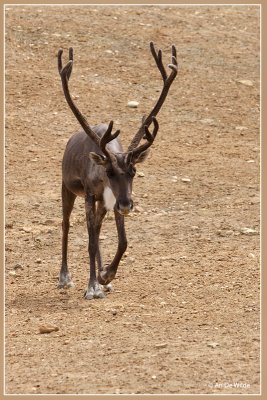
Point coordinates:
[[184, 313]]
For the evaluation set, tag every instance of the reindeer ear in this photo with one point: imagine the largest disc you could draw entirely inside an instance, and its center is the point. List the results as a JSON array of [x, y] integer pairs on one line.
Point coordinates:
[[142, 156], [99, 159]]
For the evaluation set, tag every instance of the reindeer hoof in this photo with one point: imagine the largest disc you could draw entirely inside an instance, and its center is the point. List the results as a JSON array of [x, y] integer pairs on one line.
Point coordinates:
[[94, 293], [108, 287], [65, 282], [67, 285]]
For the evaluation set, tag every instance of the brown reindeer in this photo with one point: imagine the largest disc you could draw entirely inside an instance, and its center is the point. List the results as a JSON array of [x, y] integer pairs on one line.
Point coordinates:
[[104, 177]]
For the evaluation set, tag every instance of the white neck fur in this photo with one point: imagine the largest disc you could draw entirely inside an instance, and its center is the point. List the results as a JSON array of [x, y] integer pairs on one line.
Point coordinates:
[[109, 199]]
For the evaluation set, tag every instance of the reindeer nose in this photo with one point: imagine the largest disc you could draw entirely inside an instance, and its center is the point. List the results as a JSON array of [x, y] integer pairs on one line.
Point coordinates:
[[124, 208]]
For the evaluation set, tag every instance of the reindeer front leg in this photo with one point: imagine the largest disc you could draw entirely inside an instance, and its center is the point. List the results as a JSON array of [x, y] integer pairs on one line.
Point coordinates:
[[94, 290], [107, 275]]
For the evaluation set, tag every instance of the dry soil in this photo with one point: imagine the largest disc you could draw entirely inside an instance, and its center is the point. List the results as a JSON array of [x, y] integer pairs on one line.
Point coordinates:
[[184, 313]]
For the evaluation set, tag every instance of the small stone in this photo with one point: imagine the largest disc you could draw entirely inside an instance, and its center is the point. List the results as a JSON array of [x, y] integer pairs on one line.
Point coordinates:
[[38, 261], [154, 377], [26, 229], [18, 266], [133, 104], [12, 273], [241, 128], [251, 255], [138, 209], [48, 329], [245, 82], [49, 221], [186, 180], [248, 231], [140, 174], [213, 344], [250, 161], [161, 345]]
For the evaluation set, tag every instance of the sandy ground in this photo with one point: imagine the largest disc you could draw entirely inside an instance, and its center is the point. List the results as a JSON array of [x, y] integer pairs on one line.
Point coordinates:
[[184, 313]]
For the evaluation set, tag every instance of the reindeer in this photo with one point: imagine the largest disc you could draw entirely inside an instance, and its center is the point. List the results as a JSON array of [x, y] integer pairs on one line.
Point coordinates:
[[95, 167]]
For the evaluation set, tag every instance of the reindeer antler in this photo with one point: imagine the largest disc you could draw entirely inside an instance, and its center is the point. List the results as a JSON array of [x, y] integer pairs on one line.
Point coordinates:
[[65, 74], [150, 137], [167, 81], [107, 137]]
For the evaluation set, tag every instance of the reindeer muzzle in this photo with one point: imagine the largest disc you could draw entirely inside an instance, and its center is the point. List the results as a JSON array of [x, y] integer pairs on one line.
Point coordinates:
[[124, 208]]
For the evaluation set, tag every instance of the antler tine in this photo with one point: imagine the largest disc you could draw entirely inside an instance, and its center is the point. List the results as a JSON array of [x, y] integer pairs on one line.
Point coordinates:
[[68, 67], [158, 60], [107, 137], [59, 60], [150, 137], [70, 59], [167, 81]]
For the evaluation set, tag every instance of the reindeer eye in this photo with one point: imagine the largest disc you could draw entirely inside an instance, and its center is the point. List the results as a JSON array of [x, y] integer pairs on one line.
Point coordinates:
[[110, 173]]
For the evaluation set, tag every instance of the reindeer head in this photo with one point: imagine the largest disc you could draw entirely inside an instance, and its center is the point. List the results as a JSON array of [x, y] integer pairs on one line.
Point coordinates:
[[120, 167]]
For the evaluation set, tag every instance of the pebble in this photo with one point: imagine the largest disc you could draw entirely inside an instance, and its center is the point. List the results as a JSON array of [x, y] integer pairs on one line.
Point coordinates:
[[245, 82], [241, 128], [251, 255], [49, 221], [248, 231], [140, 174], [186, 180], [48, 329], [213, 344], [26, 229], [161, 345], [133, 104], [138, 209], [38, 261], [18, 266]]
